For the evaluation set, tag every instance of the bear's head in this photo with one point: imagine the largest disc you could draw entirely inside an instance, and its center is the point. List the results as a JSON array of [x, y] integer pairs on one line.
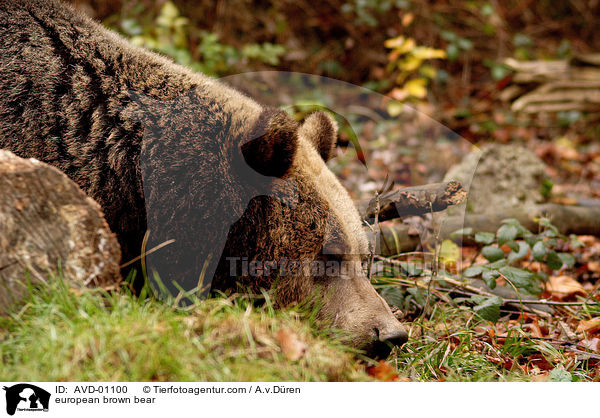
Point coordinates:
[[301, 234], [237, 194]]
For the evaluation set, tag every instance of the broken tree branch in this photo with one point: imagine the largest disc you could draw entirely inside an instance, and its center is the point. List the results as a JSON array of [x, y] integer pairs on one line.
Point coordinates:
[[413, 201]]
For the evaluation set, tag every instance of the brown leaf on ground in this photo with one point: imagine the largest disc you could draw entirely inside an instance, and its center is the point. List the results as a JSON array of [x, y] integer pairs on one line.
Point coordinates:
[[538, 361], [383, 371], [291, 346], [534, 328], [590, 326], [592, 344], [563, 287], [505, 361]]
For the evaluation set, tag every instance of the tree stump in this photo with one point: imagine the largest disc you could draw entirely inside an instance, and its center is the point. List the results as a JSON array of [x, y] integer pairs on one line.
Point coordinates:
[[48, 225]]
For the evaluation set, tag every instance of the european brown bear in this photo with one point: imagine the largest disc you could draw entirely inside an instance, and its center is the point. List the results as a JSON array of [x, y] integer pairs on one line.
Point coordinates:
[[237, 193]]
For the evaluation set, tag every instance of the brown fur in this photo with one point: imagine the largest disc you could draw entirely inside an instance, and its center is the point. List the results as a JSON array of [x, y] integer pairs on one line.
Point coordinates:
[[170, 151], [322, 130]]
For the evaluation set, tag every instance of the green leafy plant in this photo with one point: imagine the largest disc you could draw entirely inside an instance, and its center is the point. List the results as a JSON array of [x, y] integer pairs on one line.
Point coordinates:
[[523, 245], [172, 34], [509, 253]]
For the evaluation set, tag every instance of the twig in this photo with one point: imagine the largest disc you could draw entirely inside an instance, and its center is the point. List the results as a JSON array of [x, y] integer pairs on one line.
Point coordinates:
[[585, 353], [144, 254], [7, 265], [436, 255], [488, 294], [551, 302], [373, 230], [571, 346]]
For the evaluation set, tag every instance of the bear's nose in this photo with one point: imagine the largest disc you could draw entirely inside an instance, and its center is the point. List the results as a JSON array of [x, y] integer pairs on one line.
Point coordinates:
[[397, 336]]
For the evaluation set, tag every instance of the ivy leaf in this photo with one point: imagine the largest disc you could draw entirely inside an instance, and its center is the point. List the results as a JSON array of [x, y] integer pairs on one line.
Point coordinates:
[[567, 259], [575, 243], [551, 231], [484, 238], [531, 239], [489, 309], [492, 253], [520, 228], [522, 251], [518, 277], [553, 260], [513, 245], [497, 264], [507, 232], [473, 271], [539, 251], [489, 277]]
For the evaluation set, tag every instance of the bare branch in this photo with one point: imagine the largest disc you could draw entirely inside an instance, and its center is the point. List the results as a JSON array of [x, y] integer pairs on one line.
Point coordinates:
[[412, 201]]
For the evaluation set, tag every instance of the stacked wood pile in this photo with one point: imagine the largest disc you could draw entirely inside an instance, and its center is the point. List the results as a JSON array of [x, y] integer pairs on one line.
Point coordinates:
[[554, 86]]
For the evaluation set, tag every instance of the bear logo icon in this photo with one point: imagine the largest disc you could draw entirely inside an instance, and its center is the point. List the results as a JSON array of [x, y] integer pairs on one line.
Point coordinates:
[[26, 397]]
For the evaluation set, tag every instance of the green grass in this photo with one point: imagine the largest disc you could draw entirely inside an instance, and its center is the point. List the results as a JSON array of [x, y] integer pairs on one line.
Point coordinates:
[[453, 345], [62, 335]]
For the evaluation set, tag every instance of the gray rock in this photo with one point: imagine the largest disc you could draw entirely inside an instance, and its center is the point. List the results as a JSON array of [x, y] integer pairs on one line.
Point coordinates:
[[499, 177]]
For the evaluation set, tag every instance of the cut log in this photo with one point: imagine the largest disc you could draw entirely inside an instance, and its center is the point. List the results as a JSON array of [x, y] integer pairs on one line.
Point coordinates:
[[413, 201], [48, 225], [577, 220]]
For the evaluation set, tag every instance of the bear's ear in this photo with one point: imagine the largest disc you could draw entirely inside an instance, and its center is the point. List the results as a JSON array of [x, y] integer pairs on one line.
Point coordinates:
[[270, 148], [321, 129]]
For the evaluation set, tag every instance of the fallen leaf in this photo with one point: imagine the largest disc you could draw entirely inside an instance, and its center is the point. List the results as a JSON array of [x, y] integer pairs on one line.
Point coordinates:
[[593, 344], [383, 371], [534, 328], [291, 346], [562, 287], [589, 326], [538, 361]]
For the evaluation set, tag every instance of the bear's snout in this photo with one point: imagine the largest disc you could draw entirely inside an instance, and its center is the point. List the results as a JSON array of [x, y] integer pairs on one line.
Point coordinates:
[[385, 339], [395, 337]]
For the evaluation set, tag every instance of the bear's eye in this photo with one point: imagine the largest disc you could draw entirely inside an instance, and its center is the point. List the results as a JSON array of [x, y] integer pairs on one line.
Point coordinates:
[[335, 257]]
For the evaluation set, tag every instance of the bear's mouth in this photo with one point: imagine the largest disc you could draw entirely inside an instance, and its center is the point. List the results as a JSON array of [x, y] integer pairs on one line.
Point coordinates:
[[378, 350]]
